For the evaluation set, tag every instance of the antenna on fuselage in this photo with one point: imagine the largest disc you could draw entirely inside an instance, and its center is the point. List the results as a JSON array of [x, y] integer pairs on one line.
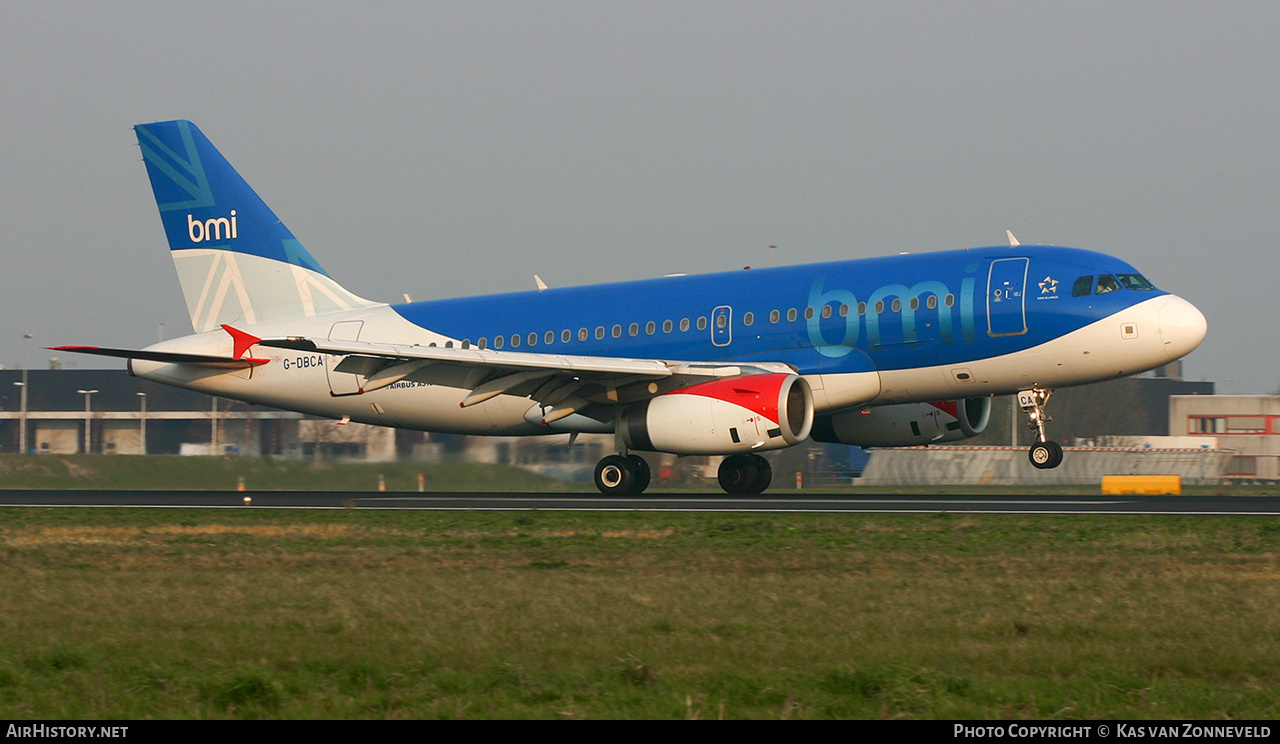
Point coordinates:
[[1013, 242]]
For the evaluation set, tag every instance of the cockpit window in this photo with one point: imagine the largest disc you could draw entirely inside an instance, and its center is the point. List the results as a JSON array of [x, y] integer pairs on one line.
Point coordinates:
[[1106, 283], [1135, 281], [1082, 287]]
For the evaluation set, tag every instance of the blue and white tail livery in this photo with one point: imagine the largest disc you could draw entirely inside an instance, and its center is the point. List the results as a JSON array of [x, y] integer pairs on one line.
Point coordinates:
[[237, 262], [901, 350]]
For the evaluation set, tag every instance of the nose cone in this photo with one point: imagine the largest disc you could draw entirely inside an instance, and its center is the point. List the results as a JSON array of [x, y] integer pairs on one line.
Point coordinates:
[[1182, 327]]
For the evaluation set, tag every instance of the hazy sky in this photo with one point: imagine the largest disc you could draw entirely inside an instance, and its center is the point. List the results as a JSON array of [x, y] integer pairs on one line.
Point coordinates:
[[444, 149]]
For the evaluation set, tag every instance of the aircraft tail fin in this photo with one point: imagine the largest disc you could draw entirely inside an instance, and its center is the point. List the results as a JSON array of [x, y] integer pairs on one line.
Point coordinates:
[[237, 262]]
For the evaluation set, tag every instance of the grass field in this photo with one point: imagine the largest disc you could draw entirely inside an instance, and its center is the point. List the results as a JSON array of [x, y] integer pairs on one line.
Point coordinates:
[[133, 614], [259, 473]]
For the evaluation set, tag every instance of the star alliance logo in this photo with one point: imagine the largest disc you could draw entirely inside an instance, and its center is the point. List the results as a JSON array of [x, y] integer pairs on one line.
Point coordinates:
[[1049, 286]]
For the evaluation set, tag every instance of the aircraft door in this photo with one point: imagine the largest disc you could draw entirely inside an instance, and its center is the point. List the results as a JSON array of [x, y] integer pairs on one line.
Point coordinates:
[[1006, 297], [342, 383], [722, 326]]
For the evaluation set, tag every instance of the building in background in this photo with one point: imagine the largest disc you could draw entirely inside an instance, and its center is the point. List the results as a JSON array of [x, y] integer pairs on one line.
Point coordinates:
[[69, 411], [1247, 424]]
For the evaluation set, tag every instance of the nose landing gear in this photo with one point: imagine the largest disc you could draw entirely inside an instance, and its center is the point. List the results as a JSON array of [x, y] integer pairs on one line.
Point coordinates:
[[1044, 454]]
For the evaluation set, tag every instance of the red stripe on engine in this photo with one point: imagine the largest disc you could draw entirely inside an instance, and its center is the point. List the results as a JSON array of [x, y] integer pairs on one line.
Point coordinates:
[[756, 393]]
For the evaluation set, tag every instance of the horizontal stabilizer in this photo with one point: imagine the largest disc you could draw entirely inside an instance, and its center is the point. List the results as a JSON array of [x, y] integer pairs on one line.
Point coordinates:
[[202, 360]]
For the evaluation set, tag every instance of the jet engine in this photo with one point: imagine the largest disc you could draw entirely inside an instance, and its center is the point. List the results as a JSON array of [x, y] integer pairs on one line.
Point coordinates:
[[907, 424], [750, 413]]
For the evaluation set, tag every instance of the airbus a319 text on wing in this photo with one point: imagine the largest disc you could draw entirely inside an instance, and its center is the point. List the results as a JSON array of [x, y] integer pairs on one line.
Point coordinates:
[[901, 350]]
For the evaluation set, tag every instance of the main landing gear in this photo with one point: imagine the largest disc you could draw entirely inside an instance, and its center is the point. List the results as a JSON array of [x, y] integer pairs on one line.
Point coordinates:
[[745, 474], [622, 475], [628, 475], [1044, 454]]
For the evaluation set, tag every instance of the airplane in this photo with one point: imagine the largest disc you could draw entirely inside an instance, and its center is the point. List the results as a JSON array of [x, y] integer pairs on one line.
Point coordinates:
[[893, 351]]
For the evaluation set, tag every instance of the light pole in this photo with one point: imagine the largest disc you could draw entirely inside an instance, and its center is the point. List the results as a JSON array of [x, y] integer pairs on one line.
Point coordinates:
[[142, 423], [87, 419], [22, 417], [22, 414]]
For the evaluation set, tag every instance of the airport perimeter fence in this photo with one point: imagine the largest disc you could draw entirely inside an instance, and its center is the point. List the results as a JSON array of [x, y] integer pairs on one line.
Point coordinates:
[[1009, 466]]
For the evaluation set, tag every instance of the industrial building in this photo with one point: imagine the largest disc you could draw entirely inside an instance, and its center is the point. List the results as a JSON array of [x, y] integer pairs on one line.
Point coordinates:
[[1248, 425], [68, 411]]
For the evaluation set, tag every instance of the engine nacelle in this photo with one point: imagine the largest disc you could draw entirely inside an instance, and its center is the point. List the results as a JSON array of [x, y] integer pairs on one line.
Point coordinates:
[[907, 424], [752, 413]]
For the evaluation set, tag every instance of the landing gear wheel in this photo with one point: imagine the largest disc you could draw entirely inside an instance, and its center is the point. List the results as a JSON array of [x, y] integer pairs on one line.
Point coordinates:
[[745, 474], [615, 476], [622, 475], [1045, 455]]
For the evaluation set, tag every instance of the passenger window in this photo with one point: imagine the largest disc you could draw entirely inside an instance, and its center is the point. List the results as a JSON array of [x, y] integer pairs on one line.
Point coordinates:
[[748, 318], [633, 329], [533, 338], [666, 326], [1106, 283], [599, 332], [650, 328], [684, 324], [1082, 287], [702, 324], [774, 317]]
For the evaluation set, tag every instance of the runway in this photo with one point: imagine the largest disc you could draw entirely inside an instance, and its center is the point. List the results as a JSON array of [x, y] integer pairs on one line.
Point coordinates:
[[781, 502]]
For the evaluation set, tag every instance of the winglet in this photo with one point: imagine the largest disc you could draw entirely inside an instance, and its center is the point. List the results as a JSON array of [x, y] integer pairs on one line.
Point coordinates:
[[240, 341], [1013, 242]]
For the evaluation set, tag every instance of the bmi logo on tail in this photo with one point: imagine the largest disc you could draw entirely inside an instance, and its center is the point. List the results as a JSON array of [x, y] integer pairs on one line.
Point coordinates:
[[213, 229]]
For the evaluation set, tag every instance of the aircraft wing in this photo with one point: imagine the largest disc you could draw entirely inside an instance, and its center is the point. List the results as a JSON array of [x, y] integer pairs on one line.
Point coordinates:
[[562, 383]]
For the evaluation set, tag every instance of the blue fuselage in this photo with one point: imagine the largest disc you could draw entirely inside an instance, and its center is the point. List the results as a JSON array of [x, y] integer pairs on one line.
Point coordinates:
[[883, 314]]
